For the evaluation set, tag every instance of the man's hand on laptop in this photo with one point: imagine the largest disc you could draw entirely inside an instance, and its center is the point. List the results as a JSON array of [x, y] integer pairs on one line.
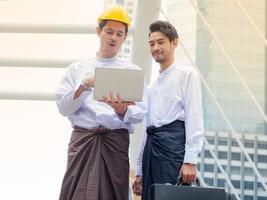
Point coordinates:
[[119, 106]]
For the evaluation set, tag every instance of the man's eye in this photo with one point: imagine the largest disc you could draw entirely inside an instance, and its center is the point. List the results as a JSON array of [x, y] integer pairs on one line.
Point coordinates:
[[109, 32]]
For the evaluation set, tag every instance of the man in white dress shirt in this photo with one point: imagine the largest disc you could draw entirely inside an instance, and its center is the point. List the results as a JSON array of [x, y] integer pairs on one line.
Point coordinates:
[[174, 134], [98, 162]]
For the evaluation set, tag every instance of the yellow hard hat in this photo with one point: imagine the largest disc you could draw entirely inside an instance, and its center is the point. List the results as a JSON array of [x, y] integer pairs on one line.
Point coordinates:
[[116, 13]]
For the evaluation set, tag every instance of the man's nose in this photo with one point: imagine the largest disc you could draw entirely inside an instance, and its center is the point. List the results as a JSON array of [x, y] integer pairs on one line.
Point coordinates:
[[155, 47], [113, 37]]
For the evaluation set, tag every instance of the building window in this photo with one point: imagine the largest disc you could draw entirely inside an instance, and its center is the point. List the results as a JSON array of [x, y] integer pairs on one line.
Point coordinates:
[[236, 184], [208, 181], [262, 198], [198, 166], [236, 156], [262, 145], [210, 140], [130, 11], [126, 50], [207, 154], [221, 183], [222, 155], [259, 187], [235, 170], [251, 156], [249, 185], [249, 143], [224, 167], [128, 42], [223, 142], [208, 168], [262, 158], [234, 143], [249, 171], [232, 197], [248, 197], [263, 172]]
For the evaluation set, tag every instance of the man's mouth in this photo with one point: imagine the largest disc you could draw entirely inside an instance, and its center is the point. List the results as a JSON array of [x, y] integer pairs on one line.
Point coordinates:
[[156, 54], [112, 44]]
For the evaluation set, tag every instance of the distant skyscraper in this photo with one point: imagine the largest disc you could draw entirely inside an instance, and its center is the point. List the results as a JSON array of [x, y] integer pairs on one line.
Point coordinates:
[[183, 16], [235, 164], [248, 54], [245, 49]]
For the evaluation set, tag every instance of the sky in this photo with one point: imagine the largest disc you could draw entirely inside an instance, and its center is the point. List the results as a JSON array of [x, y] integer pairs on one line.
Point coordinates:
[[33, 135]]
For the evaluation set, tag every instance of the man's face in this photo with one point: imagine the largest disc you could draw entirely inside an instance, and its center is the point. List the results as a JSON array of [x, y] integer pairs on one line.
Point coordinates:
[[111, 38], [161, 48]]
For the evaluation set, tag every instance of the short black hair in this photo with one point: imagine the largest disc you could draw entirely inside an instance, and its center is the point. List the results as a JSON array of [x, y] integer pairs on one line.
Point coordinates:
[[164, 27], [104, 22]]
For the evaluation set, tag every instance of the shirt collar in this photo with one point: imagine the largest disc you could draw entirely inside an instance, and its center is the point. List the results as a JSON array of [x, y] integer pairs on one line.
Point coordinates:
[[106, 60], [166, 71]]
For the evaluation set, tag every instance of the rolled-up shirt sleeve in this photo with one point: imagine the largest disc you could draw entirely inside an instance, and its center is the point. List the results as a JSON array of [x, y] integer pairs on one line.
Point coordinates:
[[65, 92], [194, 127]]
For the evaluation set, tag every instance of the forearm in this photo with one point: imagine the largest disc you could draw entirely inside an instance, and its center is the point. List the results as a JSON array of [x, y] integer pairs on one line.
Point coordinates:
[[78, 92]]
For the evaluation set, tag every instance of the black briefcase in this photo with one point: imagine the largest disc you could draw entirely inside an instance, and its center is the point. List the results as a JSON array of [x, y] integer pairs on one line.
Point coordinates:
[[181, 192]]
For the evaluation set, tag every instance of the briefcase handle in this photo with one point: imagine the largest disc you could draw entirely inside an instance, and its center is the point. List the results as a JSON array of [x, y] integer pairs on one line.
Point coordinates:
[[180, 181]]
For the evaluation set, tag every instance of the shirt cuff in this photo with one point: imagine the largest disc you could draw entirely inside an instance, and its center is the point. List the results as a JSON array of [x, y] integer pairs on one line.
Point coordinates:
[[190, 157], [138, 170], [127, 115]]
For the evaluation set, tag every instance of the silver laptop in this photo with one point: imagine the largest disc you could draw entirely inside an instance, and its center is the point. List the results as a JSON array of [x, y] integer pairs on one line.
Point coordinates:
[[129, 83]]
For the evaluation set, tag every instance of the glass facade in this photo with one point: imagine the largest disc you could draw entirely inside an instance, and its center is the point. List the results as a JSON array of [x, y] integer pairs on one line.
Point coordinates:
[[247, 56], [247, 53], [243, 46]]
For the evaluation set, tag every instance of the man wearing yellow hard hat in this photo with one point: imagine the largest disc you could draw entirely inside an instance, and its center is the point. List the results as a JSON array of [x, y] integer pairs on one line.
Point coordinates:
[[98, 162]]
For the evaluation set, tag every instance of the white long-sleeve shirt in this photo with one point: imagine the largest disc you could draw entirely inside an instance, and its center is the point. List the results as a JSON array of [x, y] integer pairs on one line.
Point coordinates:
[[176, 95], [86, 112]]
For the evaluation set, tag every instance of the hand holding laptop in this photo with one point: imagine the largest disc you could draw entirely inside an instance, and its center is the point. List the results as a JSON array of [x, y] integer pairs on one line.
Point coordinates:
[[119, 106]]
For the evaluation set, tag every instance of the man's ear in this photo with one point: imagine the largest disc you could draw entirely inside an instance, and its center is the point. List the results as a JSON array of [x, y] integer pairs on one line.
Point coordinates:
[[125, 37], [175, 42], [98, 30]]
